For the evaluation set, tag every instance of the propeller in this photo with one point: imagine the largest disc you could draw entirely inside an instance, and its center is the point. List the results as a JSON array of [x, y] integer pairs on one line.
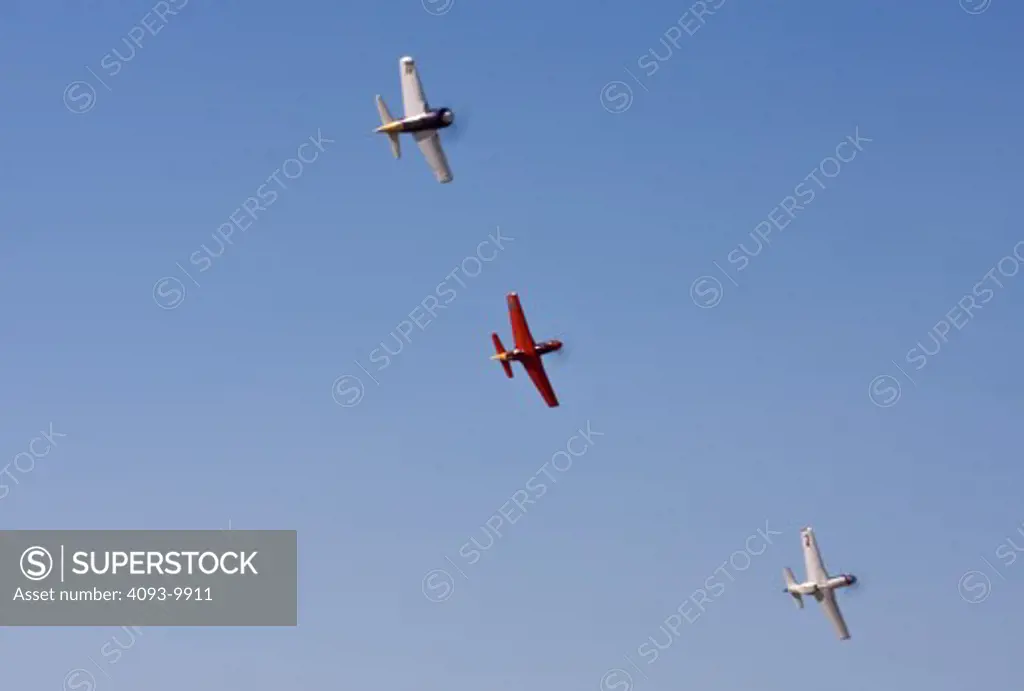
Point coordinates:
[[562, 353], [854, 587], [457, 130]]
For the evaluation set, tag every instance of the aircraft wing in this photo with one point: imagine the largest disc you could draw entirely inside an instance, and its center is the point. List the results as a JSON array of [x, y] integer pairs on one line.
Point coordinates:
[[812, 557], [828, 602], [413, 98], [540, 379], [520, 330], [430, 145]]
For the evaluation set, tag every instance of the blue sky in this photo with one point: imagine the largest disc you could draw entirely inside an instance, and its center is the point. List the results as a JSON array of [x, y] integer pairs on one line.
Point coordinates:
[[715, 421]]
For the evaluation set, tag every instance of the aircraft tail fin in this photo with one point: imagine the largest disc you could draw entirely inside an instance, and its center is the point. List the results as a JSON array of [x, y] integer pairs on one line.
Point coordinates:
[[500, 352], [787, 574], [385, 119]]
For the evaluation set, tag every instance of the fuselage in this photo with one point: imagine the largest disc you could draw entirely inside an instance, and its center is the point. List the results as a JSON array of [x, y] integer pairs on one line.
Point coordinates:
[[431, 120], [815, 589], [543, 348]]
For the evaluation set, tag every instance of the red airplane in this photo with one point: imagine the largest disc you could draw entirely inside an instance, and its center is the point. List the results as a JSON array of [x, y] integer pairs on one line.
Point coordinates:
[[526, 351]]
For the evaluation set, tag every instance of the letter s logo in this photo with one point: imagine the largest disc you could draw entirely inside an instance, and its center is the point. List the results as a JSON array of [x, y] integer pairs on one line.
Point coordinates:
[[79, 97], [168, 293], [625, 681], [884, 391], [616, 97], [39, 558], [79, 679]]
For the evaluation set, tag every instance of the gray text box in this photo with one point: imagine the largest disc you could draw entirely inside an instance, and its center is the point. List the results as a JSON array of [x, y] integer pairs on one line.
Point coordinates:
[[148, 578]]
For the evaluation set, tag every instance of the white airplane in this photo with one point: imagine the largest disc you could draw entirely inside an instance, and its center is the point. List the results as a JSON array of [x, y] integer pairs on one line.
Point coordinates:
[[420, 120], [819, 584]]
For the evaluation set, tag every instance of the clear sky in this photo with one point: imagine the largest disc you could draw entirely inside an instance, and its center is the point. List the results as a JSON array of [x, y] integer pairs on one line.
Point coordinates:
[[716, 418]]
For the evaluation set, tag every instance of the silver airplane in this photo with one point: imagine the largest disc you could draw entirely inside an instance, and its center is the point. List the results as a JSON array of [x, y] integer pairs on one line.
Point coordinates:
[[818, 584], [420, 120]]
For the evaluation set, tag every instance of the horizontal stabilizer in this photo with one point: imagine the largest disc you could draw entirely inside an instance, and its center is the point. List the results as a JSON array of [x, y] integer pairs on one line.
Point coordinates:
[[787, 575], [385, 116], [386, 119], [501, 351]]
